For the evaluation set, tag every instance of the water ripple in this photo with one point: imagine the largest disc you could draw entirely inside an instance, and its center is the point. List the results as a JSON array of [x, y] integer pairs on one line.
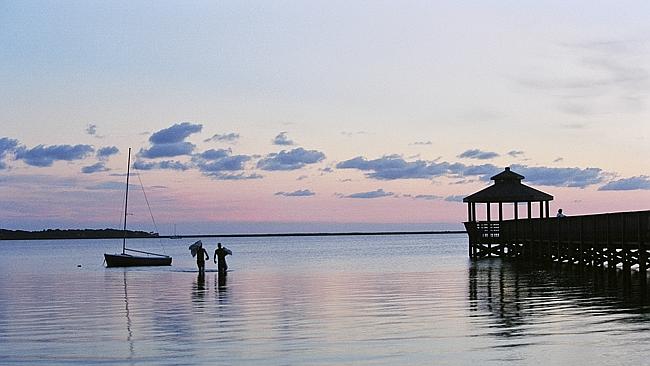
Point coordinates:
[[320, 307]]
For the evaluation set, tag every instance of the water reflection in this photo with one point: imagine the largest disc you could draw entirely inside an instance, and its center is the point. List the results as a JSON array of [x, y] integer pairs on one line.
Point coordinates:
[[198, 294], [220, 287], [129, 337], [517, 298]]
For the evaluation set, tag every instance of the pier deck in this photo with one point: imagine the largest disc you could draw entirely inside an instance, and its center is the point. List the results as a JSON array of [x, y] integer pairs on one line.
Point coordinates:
[[612, 240]]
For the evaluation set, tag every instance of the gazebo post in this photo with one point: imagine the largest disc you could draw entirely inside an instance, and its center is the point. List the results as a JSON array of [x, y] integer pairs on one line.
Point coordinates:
[[530, 209], [541, 209], [469, 212], [516, 206], [548, 211], [488, 219], [500, 211], [473, 211], [500, 221], [511, 248]]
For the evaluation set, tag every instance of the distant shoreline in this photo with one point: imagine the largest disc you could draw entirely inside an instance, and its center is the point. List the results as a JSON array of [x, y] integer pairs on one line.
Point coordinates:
[[118, 234], [352, 233], [53, 234]]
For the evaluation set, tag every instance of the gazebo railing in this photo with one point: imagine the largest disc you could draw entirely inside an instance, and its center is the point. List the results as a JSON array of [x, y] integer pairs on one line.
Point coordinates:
[[483, 231]]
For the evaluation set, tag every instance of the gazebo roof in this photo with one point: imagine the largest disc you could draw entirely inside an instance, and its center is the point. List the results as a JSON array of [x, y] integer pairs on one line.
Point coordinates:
[[507, 187]]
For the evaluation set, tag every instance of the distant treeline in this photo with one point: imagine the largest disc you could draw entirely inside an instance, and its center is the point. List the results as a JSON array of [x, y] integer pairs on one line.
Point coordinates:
[[72, 234]]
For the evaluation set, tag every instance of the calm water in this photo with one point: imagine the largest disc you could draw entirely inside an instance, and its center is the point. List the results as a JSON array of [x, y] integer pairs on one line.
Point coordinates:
[[393, 300]]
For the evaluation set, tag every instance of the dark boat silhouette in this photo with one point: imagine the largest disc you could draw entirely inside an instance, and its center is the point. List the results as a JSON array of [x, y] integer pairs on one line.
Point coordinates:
[[125, 259]]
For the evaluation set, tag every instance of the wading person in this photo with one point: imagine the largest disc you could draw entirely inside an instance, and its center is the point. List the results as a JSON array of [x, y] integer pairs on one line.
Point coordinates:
[[560, 213], [201, 255], [220, 257]]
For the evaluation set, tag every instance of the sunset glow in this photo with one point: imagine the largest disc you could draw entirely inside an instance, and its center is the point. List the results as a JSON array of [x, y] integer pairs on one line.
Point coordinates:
[[317, 116]]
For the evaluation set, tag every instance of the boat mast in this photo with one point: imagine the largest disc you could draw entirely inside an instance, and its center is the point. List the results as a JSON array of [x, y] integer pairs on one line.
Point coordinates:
[[126, 201]]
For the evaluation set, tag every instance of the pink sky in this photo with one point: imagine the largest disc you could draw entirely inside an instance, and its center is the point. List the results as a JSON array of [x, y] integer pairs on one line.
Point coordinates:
[[317, 116]]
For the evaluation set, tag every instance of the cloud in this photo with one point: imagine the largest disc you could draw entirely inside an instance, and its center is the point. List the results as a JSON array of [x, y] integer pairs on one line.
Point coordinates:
[[557, 160], [478, 154], [421, 143], [175, 133], [211, 161], [454, 198], [213, 154], [290, 160], [173, 165], [165, 164], [105, 152], [427, 197], [573, 126], [484, 171], [282, 139], [91, 129], [350, 133], [228, 137], [628, 184], [611, 77], [234, 176], [302, 177], [39, 181], [167, 150], [95, 168], [6, 145], [169, 142], [515, 153], [220, 164], [298, 193], [227, 163], [111, 186], [369, 195], [44, 156], [391, 167], [560, 177], [144, 165]]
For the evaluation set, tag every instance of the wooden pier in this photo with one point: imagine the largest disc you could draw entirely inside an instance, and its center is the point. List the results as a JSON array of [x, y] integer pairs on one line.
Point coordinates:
[[609, 240], [612, 240]]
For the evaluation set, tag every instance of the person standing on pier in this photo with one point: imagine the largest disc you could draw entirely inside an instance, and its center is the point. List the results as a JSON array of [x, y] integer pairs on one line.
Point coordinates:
[[220, 258], [560, 213]]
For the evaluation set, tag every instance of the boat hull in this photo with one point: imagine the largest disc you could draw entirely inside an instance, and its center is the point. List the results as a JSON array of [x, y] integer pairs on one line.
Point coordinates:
[[126, 260]]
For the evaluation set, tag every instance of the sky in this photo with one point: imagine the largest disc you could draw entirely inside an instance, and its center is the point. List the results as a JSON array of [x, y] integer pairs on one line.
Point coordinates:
[[281, 116]]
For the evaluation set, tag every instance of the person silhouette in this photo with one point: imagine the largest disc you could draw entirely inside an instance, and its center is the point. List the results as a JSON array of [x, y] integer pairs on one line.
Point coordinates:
[[200, 259], [560, 213], [220, 258]]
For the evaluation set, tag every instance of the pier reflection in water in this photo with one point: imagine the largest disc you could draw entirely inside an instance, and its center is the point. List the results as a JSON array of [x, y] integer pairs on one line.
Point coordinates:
[[528, 305]]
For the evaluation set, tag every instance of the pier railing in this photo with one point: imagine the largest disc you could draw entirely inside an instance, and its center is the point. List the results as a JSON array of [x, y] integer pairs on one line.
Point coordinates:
[[610, 239]]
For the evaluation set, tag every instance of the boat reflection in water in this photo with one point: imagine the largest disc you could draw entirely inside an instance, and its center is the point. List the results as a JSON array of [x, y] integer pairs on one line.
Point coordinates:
[[129, 336]]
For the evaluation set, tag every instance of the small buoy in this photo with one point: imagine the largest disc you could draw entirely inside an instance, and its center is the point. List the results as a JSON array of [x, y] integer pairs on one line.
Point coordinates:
[[78, 265]]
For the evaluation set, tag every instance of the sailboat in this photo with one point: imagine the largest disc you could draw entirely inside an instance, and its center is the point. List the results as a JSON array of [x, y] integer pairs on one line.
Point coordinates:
[[175, 236], [125, 259]]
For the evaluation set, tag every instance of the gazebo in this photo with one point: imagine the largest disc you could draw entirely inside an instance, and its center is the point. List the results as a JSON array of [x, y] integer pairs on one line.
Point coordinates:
[[507, 188], [485, 236]]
